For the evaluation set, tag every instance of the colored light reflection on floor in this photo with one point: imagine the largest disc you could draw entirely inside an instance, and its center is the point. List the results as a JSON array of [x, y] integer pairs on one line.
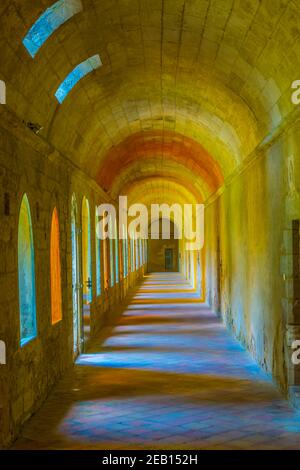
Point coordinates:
[[168, 375]]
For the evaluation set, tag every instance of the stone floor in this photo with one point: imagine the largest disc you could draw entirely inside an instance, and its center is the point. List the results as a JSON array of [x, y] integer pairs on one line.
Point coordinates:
[[167, 376]]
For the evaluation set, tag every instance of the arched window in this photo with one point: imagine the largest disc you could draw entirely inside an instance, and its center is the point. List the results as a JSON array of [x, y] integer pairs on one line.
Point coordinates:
[[55, 269], [98, 258], [112, 264], [27, 294], [49, 21], [125, 252], [116, 252], [86, 252], [132, 254], [77, 333], [137, 254], [105, 264], [141, 252], [111, 250]]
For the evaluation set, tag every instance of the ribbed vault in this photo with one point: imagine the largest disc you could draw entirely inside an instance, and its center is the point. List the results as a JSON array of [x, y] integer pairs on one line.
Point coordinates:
[[161, 190]]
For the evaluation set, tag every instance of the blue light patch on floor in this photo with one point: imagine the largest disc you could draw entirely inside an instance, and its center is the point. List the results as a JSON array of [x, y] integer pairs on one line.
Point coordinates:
[[168, 375]]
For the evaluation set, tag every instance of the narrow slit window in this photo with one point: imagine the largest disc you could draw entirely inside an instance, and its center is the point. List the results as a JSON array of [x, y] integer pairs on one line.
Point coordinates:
[[26, 271], [105, 264], [146, 251], [137, 254], [141, 252], [48, 22], [76, 75], [86, 253], [125, 253], [112, 267], [56, 296], [132, 244]]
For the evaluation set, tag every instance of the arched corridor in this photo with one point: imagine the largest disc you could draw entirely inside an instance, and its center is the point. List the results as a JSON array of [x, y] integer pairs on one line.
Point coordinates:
[[167, 375], [149, 223]]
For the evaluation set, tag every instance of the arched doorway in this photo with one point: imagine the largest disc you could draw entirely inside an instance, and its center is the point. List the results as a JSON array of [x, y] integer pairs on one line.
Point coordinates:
[[55, 270], [76, 286], [163, 247], [86, 267]]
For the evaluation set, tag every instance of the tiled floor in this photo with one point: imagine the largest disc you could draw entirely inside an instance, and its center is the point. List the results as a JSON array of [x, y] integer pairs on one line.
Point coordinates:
[[167, 376]]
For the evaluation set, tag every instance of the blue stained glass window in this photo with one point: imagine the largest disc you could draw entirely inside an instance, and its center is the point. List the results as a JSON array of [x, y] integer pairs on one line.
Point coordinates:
[[98, 258], [48, 22], [136, 254], [86, 252], [26, 269], [141, 252], [76, 75], [125, 252], [126, 256], [132, 255], [111, 255], [112, 267]]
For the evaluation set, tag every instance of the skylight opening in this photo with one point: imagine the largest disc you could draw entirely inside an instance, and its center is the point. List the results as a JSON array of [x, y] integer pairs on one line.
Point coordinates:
[[76, 75], [48, 22]]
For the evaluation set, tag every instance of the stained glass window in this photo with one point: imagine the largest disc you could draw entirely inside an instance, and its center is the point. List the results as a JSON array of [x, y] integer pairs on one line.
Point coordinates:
[[86, 252], [116, 253], [98, 259], [26, 271], [56, 308], [125, 252], [76, 75]]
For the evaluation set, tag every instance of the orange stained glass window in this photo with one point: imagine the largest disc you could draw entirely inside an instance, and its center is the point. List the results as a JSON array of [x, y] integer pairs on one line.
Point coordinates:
[[56, 307]]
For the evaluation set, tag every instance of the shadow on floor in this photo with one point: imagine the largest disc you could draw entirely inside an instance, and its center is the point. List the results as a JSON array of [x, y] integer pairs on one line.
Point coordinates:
[[171, 379]]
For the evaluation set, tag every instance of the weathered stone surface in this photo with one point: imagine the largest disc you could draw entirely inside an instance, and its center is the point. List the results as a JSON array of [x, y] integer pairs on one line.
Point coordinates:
[[192, 103]]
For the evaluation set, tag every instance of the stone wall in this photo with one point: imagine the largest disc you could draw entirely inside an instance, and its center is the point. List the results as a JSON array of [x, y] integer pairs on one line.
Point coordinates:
[[27, 164]]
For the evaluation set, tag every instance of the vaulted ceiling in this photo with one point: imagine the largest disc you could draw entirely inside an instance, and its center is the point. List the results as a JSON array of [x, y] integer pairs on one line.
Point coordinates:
[[186, 91]]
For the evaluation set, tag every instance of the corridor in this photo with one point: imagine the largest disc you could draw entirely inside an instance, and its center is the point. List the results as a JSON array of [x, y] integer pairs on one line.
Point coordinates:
[[168, 375]]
